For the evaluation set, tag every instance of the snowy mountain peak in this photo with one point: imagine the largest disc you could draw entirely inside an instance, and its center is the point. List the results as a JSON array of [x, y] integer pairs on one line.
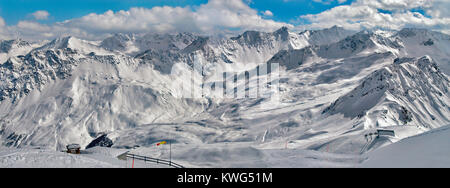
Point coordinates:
[[79, 46], [326, 36], [388, 96], [8, 45], [411, 32], [163, 42], [23, 74], [117, 42], [292, 59], [332, 30], [255, 38], [196, 45], [249, 37], [137, 44], [423, 36], [421, 42], [364, 42], [60, 43], [282, 33]]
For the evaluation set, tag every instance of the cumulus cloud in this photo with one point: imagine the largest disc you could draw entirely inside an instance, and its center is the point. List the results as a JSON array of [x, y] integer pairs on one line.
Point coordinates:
[[368, 14], [41, 15], [234, 16], [216, 16], [267, 13], [396, 4], [439, 8], [136, 20], [4, 34], [32, 26], [2, 30], [2, 22]]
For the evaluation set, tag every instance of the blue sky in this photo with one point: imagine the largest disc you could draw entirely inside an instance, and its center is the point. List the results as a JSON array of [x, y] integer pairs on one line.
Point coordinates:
[[14, 11]]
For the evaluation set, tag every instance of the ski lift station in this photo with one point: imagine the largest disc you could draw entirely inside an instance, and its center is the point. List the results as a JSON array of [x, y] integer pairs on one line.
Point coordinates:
[[73, 148], [373, 136], [384, 132], [380, 133]]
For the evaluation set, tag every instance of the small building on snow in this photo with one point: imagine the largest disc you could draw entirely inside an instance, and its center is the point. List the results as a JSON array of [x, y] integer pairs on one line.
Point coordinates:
[[73, 149], [384, 132]]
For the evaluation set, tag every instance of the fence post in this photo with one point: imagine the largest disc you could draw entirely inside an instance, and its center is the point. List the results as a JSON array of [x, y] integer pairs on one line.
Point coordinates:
[[157, 160]]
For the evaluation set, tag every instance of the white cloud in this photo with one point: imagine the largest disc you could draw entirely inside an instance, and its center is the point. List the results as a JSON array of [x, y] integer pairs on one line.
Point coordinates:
[[32, 26], [234, 16], [267, 13], [41, 15], [439, 8], [216, 16], [210, 17], [136, 20], [3, 31], [2, 22], [395, 4], [365, 14]]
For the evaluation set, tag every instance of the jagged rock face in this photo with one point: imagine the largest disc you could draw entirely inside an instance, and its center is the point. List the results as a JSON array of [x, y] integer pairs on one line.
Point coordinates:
[[59, 43], [116, 42], [360, 42], [23, 74], [250, 47], [255, 38], [353, 46], [390, 96], [421, 42], [256, 47], [161, 60], [102, 141], [133, 44], [166, 41], [327, 36], [429, 42], [292, 59], [198, 44], [7, 46], [76, 98], [411, 32]]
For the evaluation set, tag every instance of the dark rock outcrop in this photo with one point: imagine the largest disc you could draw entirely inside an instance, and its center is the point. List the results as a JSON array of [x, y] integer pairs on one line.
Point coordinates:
[[102, 141]]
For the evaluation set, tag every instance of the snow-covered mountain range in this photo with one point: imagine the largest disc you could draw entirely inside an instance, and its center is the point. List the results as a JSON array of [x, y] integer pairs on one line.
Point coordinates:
[[335, 87]]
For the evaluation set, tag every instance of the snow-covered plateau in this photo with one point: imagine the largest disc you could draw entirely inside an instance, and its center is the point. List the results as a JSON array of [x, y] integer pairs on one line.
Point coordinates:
[[333, 100]]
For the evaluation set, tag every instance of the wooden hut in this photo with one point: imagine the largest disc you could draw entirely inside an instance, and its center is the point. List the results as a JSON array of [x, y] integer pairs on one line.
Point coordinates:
[[73, 149]]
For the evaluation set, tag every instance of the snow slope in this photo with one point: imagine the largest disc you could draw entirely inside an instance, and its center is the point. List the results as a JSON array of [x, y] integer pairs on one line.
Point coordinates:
[[135, 44], [410, 91], [331, 95], [420, 42], [45, 158], [326, 36], [12, 48], [427, 150]]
